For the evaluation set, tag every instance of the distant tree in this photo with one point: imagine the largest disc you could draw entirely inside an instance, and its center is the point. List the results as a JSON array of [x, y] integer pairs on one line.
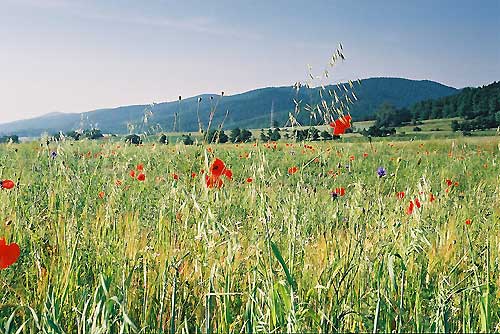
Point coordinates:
[[73, 134], [313, 134], [234, 136], [163, 139], [133, 139], [375, 131], [300, 135], [9, 139], [326, 135], [187, 140], [93, 134], [217, 136], [388, 116], [245, 136], [274, 135], [223, 138], [263, 136], [417, 129]]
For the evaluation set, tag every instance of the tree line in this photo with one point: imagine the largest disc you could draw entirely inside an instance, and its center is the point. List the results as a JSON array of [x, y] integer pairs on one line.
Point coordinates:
[[479, 108]]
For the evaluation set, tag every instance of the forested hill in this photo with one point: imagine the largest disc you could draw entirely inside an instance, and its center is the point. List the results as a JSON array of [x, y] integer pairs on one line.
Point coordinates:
[[246, 110], [480, 107]]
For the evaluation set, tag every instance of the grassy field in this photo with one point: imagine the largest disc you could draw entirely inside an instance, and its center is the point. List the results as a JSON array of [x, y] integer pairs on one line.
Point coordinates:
[[329, 248], [430, 129]]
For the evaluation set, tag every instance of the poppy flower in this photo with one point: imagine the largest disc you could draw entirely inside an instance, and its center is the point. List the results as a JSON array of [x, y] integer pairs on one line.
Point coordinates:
[[213, 181], [341, 124], [468, 222], [340, 191], [409, 210], [132, 173], [431, 198], [449, 182], [249, 180], [365, 155], [140, 167], [7, 184], [217, 167], [417, 203], [193, 175], [101, 194], [8, 253], [352, 157], [400, 195], [293, 170], [228, 174], [175, 176], [141, 177]]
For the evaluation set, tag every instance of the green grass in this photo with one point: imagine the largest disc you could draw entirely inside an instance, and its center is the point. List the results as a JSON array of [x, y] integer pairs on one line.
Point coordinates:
[[275, 255]]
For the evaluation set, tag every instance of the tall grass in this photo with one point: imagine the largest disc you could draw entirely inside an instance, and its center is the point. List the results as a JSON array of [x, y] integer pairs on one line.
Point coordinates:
[[274, 255]]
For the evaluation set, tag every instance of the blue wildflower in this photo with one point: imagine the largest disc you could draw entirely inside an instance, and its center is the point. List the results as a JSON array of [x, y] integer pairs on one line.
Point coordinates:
[[381, 171]]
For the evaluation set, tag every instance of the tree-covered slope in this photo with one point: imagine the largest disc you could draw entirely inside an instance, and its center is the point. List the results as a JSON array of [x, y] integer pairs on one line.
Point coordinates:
[[247, 110]]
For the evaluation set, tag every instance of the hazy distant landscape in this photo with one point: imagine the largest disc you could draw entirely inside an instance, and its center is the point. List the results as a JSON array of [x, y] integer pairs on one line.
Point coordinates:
[[246, 110]]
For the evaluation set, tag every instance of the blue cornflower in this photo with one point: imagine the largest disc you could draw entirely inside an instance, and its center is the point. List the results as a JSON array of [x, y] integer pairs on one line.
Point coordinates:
[[381, 171]]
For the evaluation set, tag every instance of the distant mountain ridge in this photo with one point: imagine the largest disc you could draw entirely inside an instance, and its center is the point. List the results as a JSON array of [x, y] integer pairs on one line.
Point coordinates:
[[245, 110]]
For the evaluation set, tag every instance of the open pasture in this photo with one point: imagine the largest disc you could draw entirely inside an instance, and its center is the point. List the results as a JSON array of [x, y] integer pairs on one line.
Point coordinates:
[[326, 237]]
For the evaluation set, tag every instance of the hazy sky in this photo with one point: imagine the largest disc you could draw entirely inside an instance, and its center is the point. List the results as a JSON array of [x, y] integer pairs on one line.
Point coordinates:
[[79, 55]]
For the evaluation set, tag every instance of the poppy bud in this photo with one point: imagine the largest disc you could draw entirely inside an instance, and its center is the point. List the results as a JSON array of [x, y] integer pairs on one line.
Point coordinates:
[[7, 184]]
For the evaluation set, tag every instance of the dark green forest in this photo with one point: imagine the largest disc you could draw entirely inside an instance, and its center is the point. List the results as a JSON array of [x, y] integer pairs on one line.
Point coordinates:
[[478, 107]]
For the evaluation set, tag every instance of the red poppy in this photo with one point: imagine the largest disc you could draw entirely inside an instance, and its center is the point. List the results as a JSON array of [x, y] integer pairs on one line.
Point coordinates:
[[213, 181], [341, 124], [365, 155], [449, 182], [141, 177], [217, 167], [431, 198], [293, 170], [228, 174], [249, 180], [417, 203], [468, 222], [352, 157], [140, 167], [400, 194], [193, 175], [175, 176], [409, 210], [101, 194], [132, 173], [340, 191], [7, 184], [455, 184], [8, 253]]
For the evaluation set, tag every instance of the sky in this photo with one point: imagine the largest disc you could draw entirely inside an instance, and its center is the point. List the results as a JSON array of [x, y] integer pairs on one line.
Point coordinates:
[[81, 55]]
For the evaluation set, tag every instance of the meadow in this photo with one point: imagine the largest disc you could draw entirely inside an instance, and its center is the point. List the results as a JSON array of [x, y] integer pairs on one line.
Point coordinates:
[[396, 236]]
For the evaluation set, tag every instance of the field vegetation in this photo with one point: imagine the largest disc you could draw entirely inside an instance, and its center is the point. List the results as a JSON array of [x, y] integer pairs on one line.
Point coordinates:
[[300, 237]]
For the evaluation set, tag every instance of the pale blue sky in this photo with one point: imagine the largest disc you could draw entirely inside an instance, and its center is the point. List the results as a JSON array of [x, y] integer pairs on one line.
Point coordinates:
[[75, 55]]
